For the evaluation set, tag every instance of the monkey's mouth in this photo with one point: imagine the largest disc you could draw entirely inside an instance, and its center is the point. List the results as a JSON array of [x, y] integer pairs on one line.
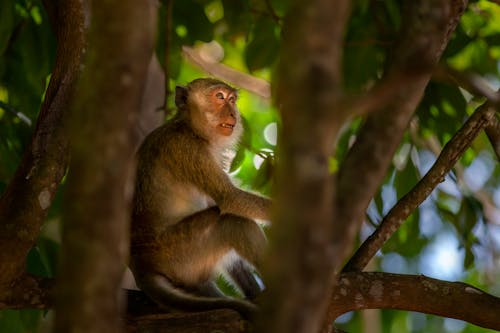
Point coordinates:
[[226, 129]]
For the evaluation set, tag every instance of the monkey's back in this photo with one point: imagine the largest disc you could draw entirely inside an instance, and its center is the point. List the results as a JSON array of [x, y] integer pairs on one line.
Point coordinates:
[[164, 192]]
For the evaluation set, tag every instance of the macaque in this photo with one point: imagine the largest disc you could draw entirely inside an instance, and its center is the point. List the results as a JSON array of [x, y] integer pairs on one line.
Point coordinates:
[[189, 220]]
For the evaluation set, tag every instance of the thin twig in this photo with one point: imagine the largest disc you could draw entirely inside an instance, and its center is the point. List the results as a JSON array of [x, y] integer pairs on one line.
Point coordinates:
[[473, 83], [16, 113]]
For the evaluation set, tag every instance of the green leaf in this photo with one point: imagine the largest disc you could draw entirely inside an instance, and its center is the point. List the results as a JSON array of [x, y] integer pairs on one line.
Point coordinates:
[[406, 179], [393, 12], [191, 15], [11, 322], [49, 254], [238, 159], [262, 50], [237, 17], [493, 40], [459, 40], [34, 264], [442, 110], [475, 57], [227, 287], [264, 174], [469, 215], [468, 258], [28, 63], [42, 259], [361, 47], [30, 319], [6, 23]]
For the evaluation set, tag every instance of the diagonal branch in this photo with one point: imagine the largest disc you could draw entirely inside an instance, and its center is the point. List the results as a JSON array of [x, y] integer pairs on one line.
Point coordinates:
[[358, 291], [405, 206]]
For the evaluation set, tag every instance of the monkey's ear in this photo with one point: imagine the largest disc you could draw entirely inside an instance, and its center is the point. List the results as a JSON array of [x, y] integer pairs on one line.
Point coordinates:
[[181, 95]]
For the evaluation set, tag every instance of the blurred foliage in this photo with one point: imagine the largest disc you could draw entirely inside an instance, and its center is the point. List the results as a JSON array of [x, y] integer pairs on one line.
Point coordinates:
[[248, 32]]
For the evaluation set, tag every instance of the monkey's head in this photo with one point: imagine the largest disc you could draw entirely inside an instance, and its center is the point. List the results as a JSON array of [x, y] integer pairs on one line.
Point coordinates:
[[209, 106]]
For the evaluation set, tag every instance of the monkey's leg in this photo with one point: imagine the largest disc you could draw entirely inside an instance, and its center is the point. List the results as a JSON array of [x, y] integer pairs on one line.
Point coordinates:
[[192, 248], [184, 258], [244, 236], [243, 275]]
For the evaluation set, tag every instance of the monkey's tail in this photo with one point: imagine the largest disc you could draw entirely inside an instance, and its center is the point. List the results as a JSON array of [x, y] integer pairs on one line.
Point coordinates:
[[161, 290]]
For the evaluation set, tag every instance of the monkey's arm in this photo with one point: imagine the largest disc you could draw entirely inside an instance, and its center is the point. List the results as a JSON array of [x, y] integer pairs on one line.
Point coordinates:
[[199, 168], [239, 202], [232, 200]]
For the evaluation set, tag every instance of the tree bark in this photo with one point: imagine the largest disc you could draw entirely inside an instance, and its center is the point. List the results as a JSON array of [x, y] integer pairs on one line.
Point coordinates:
[[25, 202], [99, 188], [357, 291], [298, 269]]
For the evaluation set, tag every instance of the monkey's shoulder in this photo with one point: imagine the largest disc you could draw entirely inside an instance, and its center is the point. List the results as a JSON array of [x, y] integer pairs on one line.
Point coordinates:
[[174, 138]]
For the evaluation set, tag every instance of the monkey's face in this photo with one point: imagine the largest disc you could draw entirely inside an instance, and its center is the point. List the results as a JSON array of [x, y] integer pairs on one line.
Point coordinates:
[[225, 114], [209, 106]]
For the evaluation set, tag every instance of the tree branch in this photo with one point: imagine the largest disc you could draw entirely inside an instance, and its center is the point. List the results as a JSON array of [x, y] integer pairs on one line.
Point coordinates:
[[224, 320], [243, 80], [355, 291], [358, 291], [98, 194], [26, 200], [449, 156], [28, 292], [299, 269]]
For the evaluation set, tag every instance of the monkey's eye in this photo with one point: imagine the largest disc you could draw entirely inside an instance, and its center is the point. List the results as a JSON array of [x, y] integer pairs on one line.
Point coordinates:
[[232, 99], [219, 95]]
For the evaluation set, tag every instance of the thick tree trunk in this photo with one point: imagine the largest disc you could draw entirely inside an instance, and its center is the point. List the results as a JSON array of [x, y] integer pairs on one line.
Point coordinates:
[[99, 189], [298, 271]]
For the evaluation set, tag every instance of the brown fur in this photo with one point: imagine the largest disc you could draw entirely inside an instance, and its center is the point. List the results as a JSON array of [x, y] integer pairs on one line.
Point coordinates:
[[187, 214]]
